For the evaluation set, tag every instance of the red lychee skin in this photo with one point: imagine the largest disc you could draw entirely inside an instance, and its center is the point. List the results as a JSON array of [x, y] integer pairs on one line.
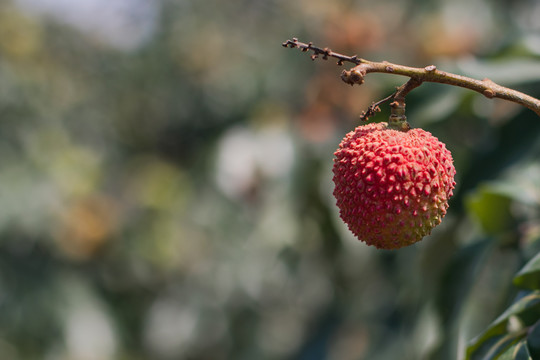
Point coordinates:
[[392, 187]]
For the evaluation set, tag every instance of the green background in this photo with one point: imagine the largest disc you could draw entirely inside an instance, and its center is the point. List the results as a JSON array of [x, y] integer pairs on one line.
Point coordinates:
[[166, 193]]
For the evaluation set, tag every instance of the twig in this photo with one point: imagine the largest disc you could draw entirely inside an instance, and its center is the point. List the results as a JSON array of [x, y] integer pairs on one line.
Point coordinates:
[[374, 108], [326, 52], [429, 73]]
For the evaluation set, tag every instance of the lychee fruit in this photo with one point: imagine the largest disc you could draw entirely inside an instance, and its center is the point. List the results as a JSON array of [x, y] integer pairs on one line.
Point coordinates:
[[392, 187]]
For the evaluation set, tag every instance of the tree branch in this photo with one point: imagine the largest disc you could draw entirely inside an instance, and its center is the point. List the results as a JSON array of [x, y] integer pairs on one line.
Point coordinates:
[[326, 52], [429, 73]]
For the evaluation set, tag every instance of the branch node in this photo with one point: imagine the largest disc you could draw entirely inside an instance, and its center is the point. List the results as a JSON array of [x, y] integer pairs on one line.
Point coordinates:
[[430, 68], [354, 76], [365, 115], [490, 94], [291, 43], [326, 53]]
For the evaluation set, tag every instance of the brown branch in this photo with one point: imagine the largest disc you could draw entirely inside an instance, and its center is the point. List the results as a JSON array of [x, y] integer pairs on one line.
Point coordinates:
[[374, 107], [326, 52], [429, 73]]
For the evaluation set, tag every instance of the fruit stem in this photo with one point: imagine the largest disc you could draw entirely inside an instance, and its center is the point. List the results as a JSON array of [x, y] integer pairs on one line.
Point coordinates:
[[397, 119], [429, 73]]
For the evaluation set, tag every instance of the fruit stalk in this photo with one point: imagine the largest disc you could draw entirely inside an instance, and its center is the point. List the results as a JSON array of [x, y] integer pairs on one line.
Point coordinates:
[[429, 73]]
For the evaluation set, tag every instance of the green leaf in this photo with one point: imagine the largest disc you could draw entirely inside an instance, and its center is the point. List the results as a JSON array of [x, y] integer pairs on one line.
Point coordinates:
[[533, 341], [501, 346], [494, 346], [491, 209], [522, 190], [526, 312], [518, 351], [529, 276], [490, 291]]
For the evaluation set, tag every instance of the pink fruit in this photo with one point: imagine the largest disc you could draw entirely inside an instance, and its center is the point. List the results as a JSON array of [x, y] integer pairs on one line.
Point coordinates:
[[392, 187]]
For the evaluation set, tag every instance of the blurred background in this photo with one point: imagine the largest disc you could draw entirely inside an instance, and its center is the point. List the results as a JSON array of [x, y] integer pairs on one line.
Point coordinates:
[[165, 179]]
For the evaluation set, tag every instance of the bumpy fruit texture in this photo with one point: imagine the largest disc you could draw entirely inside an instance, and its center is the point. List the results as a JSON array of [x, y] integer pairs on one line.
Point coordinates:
[[392, 187]]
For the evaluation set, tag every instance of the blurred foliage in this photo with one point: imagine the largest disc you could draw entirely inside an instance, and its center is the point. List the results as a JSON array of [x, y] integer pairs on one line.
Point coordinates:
[[166, 182]]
